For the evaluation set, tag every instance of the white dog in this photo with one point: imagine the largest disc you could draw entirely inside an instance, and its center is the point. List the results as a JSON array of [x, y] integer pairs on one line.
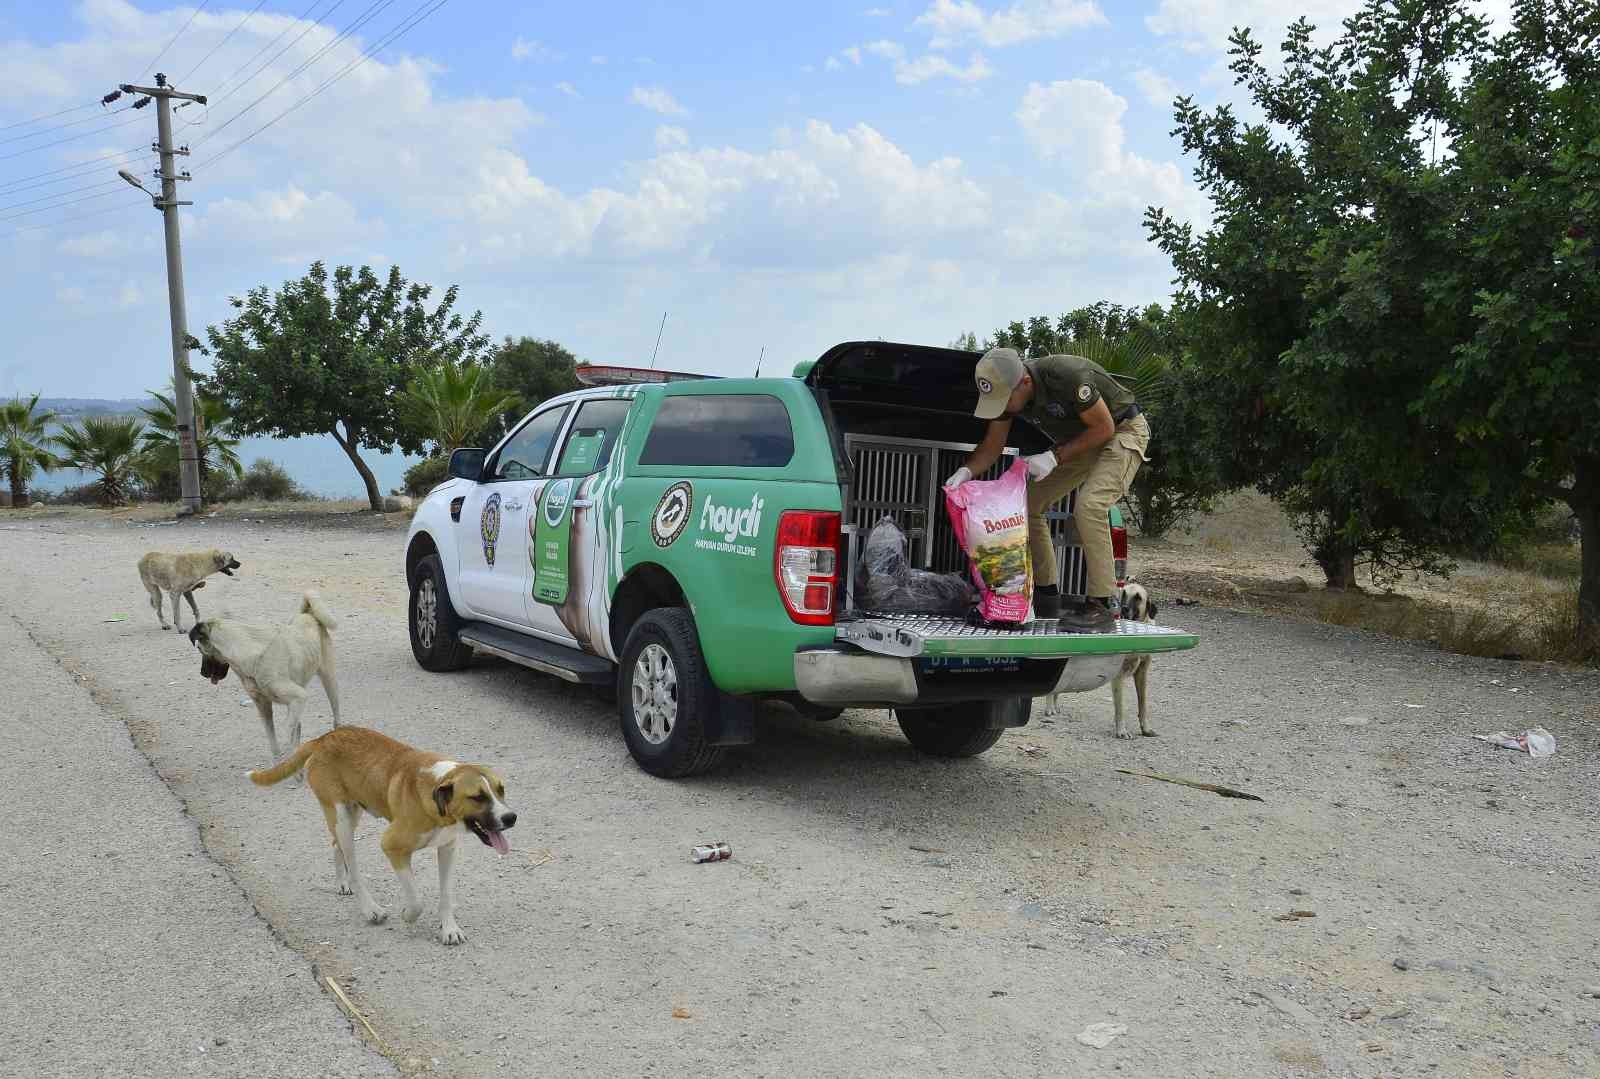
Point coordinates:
[[179, 575], [275, 663], [1136, 607]]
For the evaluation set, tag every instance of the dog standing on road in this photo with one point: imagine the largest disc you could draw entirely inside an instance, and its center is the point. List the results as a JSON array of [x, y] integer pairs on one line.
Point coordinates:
[[275, 663], [180, 575], [429, 801], [1137, 606]]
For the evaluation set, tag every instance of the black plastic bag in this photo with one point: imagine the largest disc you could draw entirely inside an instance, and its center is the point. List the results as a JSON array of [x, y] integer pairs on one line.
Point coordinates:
[[886, 582]]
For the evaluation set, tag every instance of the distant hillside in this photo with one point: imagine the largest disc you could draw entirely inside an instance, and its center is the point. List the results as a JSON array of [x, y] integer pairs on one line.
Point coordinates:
[[77, 407]]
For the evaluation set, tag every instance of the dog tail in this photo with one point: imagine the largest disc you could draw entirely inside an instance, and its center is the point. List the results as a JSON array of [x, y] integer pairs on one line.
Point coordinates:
[[314, 606], [266, 777]]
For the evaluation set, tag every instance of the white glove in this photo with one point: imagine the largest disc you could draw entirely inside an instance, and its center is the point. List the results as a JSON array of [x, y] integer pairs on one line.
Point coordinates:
[[958, 477], [1041, 465]]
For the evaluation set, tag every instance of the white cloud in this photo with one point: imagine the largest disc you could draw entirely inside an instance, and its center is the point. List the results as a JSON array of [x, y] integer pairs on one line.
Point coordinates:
[[93, 245], [909, 72], [568, 89], [657, 99], [288, 225], [1204, 25], [954, 21], [1078, 121], [523, 49], [671, 138], [1156, 87]]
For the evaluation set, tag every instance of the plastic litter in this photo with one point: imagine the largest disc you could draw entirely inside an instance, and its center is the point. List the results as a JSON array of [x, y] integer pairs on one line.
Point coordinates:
[[1535, 741], [990, 520], [1100, 1035], [886, 582], [711, 852]]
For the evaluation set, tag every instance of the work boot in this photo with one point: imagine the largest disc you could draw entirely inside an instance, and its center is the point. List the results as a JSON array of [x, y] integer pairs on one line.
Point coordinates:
[[1095, 616], [1046, 601]]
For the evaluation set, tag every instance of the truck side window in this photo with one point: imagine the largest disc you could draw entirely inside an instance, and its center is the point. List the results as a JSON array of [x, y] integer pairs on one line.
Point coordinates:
[[741, 430], [593, 434], [523, 458]]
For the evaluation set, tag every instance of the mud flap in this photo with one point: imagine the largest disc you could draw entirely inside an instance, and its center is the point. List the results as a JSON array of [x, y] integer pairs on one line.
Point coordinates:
[[732, 722]]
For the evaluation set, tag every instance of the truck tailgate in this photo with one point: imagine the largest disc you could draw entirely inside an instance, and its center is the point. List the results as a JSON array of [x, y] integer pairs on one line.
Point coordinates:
[[913, 635]]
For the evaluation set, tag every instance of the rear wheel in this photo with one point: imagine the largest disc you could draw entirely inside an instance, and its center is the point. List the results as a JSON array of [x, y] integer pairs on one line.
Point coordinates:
[[961, 730], [433, 621], [664, 696]]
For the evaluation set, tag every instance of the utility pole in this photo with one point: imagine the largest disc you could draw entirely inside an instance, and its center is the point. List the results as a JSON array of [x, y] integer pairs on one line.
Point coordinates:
[[168, 203]]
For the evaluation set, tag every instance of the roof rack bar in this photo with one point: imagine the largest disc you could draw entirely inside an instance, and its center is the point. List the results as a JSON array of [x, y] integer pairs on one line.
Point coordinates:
[[605, 375]]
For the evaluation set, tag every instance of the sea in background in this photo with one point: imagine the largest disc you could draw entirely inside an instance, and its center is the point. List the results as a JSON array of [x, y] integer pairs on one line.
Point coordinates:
[[315, 462]]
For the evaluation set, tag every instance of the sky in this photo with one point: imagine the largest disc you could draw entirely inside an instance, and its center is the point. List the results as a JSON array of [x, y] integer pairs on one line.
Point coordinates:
[[772, 177]]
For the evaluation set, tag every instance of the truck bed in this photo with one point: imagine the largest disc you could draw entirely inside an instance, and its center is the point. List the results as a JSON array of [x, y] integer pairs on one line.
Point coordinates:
[[933, 636]]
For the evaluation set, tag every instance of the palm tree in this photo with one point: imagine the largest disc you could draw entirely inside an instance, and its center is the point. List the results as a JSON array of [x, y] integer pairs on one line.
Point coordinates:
[[215, 443], [450, 403], [1132, 360], [107, 446], [23, 438]]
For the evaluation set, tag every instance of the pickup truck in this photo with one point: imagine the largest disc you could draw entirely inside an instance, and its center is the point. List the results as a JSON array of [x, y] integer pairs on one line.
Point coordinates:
[[689, 542]]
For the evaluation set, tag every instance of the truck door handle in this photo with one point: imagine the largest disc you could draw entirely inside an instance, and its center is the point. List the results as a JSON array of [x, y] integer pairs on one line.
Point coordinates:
[[582, 503]]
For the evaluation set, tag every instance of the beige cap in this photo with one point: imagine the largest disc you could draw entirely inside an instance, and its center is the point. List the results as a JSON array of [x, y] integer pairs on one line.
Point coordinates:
[[997, 375]]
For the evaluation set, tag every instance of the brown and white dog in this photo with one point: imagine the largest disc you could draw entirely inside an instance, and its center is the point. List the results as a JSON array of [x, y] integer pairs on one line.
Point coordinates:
[[429, 801], [275, 663], [180, 575], [1137, 606]]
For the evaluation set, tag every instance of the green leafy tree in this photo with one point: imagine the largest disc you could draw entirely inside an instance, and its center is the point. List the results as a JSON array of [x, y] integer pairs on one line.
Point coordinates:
[[533, 369], [451, 403], [1521, 215], [107, 446], [24, 444], [333, 355], [1144, 347], [1313, 296], [215, 444]]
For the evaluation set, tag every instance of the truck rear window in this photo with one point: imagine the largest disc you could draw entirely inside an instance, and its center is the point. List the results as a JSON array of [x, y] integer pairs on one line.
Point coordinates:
[[742, 430]]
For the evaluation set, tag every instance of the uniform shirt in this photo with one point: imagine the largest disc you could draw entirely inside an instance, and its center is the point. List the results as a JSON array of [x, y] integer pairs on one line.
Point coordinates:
[[1064, 386]]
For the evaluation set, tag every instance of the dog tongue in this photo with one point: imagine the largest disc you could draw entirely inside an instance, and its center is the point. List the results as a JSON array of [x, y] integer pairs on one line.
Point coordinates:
[[497, 840]]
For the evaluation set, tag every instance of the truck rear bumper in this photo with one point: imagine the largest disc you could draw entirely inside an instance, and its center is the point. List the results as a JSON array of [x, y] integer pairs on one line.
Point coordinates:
[[845, 676]]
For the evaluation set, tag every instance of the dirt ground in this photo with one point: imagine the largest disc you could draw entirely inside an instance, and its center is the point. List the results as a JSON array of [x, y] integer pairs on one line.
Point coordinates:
[[886, 914]]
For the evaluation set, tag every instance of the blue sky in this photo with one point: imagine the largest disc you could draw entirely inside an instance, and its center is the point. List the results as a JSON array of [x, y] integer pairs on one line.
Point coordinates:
[[772, 176]]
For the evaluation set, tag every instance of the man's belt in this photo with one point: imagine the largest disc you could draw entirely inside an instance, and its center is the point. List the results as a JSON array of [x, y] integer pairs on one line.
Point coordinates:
[[1127, 414]]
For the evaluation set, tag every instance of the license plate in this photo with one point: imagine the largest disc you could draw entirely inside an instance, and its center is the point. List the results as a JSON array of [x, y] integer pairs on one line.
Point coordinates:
[[971, 664]]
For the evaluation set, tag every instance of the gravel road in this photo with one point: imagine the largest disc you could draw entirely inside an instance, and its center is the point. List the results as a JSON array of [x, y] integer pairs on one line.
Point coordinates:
[[884, 914]]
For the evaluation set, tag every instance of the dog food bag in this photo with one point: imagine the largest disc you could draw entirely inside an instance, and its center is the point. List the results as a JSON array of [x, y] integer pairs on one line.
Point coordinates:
[[990, 519]]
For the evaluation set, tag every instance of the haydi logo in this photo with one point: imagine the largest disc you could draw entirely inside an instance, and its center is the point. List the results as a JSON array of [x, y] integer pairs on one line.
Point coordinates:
[[730, 522], [1016, 520]]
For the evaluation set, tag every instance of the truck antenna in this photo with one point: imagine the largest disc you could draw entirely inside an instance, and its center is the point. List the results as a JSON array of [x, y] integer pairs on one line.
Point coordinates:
[[759, 359], [658, 341]]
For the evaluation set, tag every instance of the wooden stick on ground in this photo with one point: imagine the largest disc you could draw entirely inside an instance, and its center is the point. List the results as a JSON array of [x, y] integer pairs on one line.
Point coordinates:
[[351, 1008], [1226, 792]]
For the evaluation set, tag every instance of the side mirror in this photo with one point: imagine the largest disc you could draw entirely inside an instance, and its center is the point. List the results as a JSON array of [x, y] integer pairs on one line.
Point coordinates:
[[467, 463]]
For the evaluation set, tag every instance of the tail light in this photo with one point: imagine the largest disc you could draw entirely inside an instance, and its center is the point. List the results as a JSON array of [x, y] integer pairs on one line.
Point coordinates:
[[806, 566]]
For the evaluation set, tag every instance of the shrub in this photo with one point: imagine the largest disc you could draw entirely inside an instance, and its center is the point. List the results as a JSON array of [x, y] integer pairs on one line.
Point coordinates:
[[425, 475], [266, 481]]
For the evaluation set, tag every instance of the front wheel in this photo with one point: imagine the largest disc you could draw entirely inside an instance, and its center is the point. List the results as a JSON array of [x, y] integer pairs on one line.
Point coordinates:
[[664, 695], [433, 621], [961, 730]]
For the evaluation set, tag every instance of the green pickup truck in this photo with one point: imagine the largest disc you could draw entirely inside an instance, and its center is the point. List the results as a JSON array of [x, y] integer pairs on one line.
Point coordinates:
[[690, 542]]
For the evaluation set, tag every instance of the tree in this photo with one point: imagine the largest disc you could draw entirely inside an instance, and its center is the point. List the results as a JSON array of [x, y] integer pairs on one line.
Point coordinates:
[[334, 357], [1313, 295], [214, 442], [24, 442], [535, 370], [967, 342], [107, 446], [1145, 346], [1521, 389], [451, 403]]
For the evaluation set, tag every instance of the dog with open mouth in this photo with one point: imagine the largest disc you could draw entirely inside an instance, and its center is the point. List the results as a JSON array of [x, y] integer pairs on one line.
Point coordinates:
[[181, 575], [429, 801]]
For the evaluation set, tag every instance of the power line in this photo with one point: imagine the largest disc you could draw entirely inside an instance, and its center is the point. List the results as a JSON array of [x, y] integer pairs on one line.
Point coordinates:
[[62, 194], [59, 206], [69, 138], [68, 220], [224, 41], [47, 116], [310, 26], [151, 66], [372, 10], [62, 127], [394, 35], [93, 163]]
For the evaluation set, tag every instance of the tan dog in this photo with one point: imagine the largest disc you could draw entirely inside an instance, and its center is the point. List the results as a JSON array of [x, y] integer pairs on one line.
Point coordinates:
[[180, 575], [275, 663], [1136, 607], [428, 801]]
